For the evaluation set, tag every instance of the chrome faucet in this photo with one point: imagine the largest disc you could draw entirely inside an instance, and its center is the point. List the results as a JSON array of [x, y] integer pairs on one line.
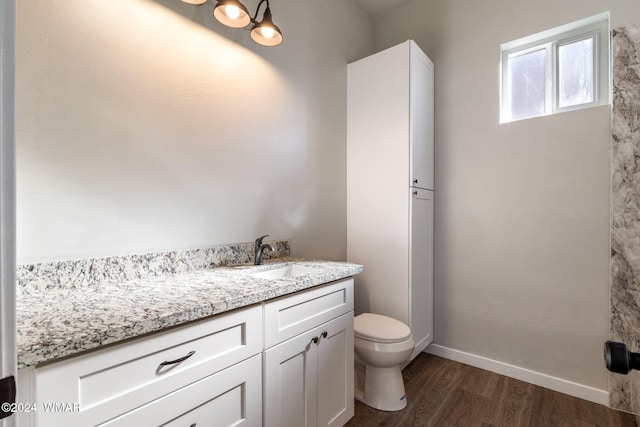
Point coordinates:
[[260, 248]]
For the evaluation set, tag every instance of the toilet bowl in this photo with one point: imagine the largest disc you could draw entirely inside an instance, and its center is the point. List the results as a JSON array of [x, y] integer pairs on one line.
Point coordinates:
[[382, 345]]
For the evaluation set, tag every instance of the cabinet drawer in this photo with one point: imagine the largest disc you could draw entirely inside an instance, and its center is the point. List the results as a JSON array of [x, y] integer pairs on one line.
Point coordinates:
[[232, 397], [115, 380], [294, 314]]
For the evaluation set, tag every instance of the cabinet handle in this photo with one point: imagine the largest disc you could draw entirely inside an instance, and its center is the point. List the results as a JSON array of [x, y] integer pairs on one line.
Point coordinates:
[[315, 340], [415, 181], [182, 359], [193, 425], [324, 334], [415, 193]]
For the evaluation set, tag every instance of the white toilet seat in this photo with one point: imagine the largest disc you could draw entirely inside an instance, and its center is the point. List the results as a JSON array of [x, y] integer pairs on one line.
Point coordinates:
[[385, 347], [380, 329]]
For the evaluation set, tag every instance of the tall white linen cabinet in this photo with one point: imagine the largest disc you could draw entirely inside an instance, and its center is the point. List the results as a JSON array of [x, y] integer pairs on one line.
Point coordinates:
[[391, 186]]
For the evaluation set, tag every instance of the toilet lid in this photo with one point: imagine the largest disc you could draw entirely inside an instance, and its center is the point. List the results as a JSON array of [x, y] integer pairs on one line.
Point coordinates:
[[378, 328]]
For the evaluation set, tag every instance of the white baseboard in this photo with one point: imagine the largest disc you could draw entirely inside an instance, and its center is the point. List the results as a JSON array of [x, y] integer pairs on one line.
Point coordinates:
[[543, 380]]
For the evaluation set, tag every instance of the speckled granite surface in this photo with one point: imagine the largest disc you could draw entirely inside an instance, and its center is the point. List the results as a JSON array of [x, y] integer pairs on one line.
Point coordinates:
[[99, 271], [624, 308], [58, 322]]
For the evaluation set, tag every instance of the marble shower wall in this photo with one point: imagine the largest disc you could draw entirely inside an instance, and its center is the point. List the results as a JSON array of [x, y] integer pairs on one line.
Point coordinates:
[[624, 390]]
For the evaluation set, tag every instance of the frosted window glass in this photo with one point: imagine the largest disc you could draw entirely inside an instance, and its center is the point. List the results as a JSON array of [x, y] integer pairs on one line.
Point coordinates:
[[527, 82], [575, 73]]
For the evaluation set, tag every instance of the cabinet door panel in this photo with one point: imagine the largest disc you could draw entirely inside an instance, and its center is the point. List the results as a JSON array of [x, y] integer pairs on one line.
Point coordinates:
[[421, 281], [421, 120], [335, 372], [290, 383]]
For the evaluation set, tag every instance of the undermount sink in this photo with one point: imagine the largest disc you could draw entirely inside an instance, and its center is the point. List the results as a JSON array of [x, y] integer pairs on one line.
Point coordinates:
[[283, 272]]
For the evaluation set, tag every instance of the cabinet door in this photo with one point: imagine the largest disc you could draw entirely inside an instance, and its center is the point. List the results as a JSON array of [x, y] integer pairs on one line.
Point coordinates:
[[421, 119], [335, 372], [421, 281], [290, 383]]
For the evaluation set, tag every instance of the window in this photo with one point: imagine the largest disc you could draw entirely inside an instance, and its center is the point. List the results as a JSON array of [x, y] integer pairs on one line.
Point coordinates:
[[562, 69]]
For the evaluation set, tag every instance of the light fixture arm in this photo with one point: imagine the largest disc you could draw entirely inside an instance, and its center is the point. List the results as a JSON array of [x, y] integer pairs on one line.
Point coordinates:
[[265, 32], [255, 17]]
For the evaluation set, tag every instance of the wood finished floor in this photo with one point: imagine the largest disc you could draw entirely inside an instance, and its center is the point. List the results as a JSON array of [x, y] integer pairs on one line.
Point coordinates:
[[442, 392]]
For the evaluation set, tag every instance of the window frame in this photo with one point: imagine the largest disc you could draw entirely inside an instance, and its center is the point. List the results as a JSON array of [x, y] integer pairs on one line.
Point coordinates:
[[596, 28]]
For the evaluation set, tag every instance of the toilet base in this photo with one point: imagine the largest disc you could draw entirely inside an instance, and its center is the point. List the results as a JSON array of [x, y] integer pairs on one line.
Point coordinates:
[[383, 389]]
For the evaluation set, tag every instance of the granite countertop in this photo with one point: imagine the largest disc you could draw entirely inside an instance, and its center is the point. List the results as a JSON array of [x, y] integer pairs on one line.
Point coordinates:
[[55, 323]]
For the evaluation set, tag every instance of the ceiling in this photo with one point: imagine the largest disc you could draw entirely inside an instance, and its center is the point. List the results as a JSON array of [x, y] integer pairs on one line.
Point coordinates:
[[378, 6]]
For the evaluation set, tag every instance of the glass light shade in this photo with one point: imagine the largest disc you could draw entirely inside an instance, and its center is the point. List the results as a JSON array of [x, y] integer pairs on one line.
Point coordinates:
[[232, 13], [195, 1], [266, 32]]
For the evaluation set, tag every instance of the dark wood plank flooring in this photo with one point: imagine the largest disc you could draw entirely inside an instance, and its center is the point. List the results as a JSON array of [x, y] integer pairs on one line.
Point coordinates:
[[442, 392]]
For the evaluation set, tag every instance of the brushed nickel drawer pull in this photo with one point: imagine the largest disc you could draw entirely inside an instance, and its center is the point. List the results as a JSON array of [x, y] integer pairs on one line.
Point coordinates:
[[182, 359]]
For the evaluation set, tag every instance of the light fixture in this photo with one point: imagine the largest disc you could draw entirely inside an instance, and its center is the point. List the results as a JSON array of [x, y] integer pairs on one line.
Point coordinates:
[[266, 32], [234, 14]]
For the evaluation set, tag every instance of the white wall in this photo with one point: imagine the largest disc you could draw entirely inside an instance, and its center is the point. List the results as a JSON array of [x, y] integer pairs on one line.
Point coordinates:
[[522, 209], [145, 125], [8, 365]]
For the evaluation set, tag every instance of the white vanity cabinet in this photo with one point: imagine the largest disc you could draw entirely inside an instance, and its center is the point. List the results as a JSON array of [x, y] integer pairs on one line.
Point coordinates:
[[308, 361], [205, 373], [285, 362]]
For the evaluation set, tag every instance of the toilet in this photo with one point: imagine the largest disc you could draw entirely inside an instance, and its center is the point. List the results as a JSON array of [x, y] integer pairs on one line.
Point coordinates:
[[382, 346]]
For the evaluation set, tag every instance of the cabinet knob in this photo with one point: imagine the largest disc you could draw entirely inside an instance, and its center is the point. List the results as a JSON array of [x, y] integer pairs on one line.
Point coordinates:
[[415, 193], [324, 334], [182, 359], [315, 340], [193, 425], [415, 181]]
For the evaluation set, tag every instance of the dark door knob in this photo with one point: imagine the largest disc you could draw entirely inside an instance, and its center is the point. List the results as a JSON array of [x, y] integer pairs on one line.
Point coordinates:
[[620, 360]]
